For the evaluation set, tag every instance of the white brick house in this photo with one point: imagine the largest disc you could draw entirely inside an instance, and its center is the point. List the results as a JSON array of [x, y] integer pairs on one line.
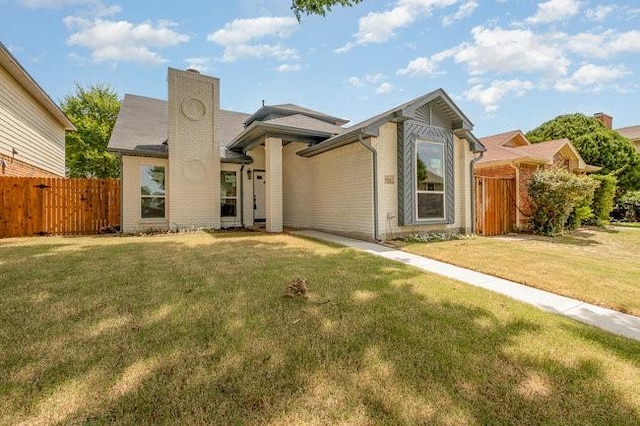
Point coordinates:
[[187, 163]]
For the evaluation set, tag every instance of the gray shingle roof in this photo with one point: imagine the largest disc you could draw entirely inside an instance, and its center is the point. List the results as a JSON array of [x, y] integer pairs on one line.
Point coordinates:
[[304, 122], [141, 128]]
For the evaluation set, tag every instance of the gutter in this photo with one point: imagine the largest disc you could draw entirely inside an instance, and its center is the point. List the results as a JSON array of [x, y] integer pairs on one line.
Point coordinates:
[[376, 230]]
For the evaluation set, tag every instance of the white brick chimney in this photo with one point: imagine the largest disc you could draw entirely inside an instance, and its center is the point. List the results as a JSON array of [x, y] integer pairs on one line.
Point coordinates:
[[194, 153]]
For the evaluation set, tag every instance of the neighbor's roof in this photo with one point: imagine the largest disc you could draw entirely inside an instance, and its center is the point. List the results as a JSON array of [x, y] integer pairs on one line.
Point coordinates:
[[539, 153], [142, 128], [13, 67], [402, 112], [631, 132]]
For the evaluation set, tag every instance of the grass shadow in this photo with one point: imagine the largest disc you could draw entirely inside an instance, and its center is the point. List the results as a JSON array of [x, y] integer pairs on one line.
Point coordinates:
[[166, 331]]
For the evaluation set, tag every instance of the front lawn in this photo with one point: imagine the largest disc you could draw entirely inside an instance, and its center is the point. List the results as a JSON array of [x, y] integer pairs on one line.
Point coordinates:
[[194, 329], [599, 266]]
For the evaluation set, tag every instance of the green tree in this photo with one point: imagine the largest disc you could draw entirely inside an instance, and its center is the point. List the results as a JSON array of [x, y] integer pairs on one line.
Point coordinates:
[[597, 145], [93, 111], [318, 7]]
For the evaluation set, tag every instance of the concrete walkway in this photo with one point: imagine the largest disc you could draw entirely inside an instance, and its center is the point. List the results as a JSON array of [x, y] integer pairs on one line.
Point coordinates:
[[606, 319]]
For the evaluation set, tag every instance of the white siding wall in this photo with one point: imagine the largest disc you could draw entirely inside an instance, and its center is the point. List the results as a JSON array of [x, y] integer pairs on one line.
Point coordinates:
[[194, 154], [29, 128], [131, 200]]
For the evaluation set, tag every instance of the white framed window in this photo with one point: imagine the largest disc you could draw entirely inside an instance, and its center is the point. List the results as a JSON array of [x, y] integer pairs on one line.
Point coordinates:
[[152, 192], [430, 180], [228, 193]]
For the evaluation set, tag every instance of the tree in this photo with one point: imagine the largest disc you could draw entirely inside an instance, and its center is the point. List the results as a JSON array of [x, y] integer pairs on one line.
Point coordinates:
[[318, 7], [597, 145], [93, 111]]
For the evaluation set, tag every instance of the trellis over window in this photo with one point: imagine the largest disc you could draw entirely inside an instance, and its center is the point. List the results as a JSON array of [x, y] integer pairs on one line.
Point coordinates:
[[426, 132], [152, 192]]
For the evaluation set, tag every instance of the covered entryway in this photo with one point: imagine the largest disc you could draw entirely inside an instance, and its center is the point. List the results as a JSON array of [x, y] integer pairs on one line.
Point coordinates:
[[259, 196], [495, 205]]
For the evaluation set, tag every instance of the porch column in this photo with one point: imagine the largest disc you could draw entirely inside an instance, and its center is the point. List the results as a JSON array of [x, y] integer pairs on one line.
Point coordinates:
[[273, 163]]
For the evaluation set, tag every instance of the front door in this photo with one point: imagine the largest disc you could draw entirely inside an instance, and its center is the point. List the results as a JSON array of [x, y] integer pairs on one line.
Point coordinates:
[[259, 196]]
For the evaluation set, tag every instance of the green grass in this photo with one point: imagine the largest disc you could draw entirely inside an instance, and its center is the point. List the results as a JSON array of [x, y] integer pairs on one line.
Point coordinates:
[[194, 329], [599, 266], [627, 224]]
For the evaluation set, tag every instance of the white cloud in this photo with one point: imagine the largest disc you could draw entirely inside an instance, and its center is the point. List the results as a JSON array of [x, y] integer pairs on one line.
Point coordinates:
[[599, 13], [374, 78], [419, 67], [503, 51], [491, 95], [378, 27], [603, 45], [385, 88], [555, 10], [355, 82], [591, 78], [240, 38], [465, 10], [122, 41], [202, 64], [289, 68]]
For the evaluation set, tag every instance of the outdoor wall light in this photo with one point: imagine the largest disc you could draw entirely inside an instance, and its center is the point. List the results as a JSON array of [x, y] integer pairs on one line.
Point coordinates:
[[249, 173], [14, 152]]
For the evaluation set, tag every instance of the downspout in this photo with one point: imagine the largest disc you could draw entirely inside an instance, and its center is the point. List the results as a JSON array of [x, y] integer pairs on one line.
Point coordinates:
[[473, 190], [376, 230], [121, 225], [242, 195]]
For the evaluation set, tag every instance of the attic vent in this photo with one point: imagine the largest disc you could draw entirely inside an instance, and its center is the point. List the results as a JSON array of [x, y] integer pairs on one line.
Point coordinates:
[[195, 71]]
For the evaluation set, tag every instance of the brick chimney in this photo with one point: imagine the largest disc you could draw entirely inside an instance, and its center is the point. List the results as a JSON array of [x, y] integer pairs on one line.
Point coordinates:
[[607, 120]]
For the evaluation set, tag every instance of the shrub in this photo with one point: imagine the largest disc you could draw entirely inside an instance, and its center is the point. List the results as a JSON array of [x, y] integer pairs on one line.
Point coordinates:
[[603, 199], [628, 207], [554, 195]]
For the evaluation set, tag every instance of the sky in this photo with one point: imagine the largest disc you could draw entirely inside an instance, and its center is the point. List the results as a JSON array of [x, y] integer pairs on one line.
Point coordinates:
[[507, 64]]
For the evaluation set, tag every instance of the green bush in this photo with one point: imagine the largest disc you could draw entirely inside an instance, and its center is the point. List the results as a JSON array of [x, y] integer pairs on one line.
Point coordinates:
[[555, 195], [603, 199]]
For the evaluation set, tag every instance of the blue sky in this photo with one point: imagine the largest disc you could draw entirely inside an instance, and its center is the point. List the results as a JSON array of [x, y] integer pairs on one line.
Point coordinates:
[[507, 64]]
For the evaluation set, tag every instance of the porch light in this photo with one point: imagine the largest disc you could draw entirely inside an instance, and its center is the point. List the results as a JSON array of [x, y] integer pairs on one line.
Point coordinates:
[[249, 173]]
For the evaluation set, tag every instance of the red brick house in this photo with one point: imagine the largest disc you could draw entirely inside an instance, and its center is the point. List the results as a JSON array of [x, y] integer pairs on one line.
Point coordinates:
[[503, 174]]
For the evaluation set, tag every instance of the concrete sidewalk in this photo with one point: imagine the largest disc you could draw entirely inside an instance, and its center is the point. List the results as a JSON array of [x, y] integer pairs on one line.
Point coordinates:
[[606, 319]]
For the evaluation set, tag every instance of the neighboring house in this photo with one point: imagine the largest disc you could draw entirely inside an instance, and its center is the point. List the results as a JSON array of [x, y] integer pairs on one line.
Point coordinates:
[[32, 126], [503, 174], [186, 163], [632, 133]]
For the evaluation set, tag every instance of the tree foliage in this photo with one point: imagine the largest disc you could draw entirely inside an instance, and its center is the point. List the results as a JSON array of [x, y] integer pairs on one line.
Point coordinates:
[[598, 146], [603, 199], [318, 7], [93, 111], [559, 199]]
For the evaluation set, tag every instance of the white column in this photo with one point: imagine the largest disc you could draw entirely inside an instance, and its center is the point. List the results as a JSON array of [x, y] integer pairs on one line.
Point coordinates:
[[273, 163]]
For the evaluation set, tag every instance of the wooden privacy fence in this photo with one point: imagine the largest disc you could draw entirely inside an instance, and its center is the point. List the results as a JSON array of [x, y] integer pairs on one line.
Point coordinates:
[[495, 205], [57, 206]]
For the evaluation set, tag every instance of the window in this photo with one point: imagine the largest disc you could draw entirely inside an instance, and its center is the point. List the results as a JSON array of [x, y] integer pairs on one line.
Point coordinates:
[[228, 194], [430, 182], [152, 191]]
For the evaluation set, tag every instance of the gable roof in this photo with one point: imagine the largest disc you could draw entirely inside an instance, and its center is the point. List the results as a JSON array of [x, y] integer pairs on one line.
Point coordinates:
[[632, 132], [142, 128], [407, 110], [13, 67], [499, 151]]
